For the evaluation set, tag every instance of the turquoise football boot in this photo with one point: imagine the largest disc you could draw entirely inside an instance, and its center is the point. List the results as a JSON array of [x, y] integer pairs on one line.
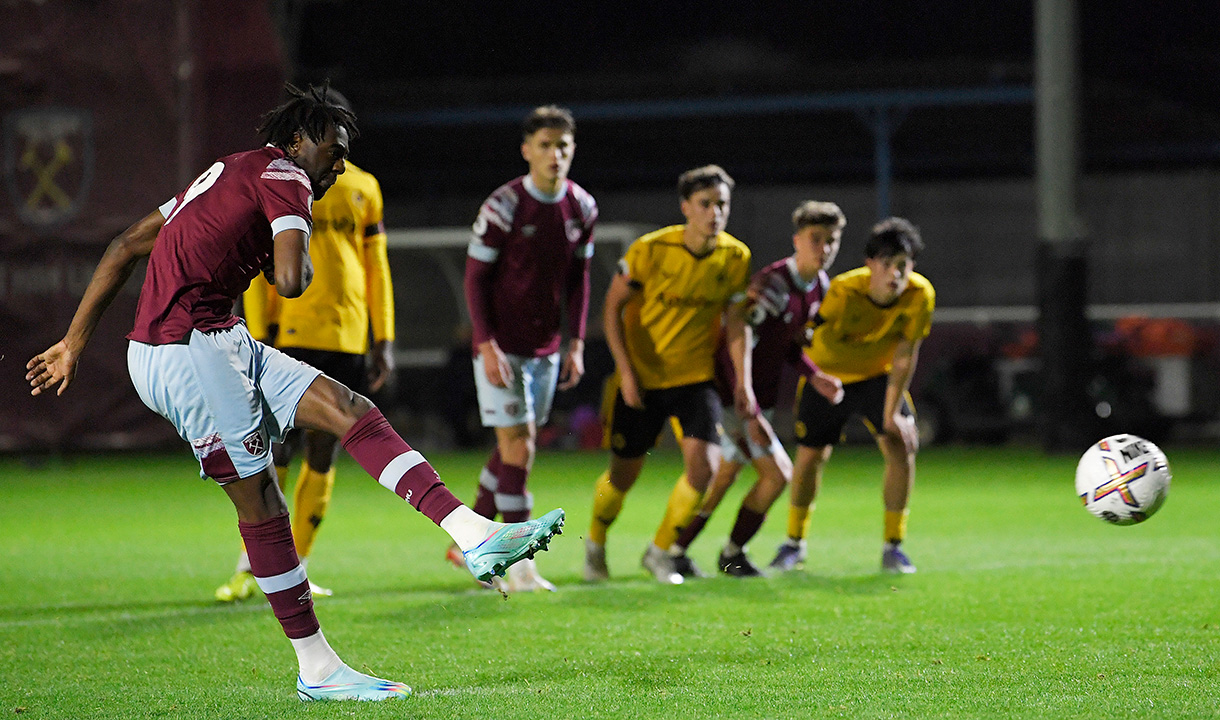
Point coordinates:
[[347, 684], [512, 543]]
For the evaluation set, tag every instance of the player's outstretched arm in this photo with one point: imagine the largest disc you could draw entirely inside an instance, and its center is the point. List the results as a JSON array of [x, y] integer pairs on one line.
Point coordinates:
[[57, 364]]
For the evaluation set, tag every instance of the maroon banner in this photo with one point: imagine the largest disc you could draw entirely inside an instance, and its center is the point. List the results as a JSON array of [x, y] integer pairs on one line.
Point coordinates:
[[107, 110]]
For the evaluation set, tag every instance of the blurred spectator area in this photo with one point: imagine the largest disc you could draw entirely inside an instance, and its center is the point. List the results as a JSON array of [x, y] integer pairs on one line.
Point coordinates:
[[1152, 373]]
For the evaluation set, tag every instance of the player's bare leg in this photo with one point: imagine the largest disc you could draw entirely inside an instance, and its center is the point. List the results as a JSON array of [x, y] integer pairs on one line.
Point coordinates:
[[242, 585]]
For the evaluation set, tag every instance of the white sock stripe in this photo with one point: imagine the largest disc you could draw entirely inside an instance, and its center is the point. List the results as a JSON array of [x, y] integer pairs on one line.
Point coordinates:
[[281, 582], [514, 503], [398, 467], [487, 480]]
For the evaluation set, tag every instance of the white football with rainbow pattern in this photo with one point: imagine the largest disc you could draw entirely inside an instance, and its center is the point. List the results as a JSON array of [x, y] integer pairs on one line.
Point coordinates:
[[1123, 479]]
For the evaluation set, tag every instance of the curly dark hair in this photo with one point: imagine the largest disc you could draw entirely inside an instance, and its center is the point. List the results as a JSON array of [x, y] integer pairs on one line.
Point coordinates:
[[308, 111]]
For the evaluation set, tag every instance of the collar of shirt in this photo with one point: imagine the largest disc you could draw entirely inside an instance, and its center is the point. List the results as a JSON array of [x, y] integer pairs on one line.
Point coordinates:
[[542, 197], [796, 276]]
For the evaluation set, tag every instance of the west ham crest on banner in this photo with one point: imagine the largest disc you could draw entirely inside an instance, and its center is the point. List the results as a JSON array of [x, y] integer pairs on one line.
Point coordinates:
[[48, 162]]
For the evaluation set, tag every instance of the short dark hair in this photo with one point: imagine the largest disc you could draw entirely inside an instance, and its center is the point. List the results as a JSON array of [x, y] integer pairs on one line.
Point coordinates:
[[893, 236], [308, 111], [548, 116], [692, 181], [814, 212]]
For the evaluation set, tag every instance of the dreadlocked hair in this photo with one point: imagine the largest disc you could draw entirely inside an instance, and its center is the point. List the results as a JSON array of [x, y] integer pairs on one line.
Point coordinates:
[[308, 111]]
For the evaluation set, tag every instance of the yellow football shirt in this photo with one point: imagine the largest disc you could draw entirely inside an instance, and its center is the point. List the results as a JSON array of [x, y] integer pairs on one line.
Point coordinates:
[[351, 286], [857, 339], [673, 324]]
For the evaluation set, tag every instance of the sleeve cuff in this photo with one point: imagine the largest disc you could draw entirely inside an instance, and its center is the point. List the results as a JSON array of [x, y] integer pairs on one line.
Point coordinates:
[[290, 222]]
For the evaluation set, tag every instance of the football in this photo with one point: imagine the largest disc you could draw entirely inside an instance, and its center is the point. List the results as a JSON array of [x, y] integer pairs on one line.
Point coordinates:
[[1123, 479]]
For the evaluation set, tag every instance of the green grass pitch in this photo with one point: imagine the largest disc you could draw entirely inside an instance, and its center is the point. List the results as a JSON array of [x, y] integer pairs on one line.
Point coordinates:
[[1024, 605]]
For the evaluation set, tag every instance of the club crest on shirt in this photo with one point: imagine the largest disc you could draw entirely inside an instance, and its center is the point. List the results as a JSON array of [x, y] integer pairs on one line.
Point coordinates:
[[573, 229], [48, 162], [528, 230], [512, 408], [253, 443]]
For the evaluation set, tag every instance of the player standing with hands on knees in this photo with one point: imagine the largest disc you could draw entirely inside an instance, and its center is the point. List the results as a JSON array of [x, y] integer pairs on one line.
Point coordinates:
[[194, 363], [868, 331], [528, 263]]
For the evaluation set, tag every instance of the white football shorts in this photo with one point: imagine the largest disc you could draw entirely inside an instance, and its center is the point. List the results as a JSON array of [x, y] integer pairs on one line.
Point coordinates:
[[735, 435], [528, 398], [227, 394]]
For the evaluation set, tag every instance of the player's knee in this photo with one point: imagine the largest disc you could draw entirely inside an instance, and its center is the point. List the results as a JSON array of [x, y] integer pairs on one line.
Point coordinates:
[[353, 404]]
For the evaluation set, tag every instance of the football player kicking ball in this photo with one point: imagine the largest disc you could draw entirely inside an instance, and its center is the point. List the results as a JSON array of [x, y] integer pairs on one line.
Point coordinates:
[[328, 328], [869, 329], [781, 300], [193, 362]]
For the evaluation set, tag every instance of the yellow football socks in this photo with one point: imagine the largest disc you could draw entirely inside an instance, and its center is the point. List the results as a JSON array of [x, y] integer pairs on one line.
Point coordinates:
[[684, 503], [607, 503], [896, 525], [310, 498], [798, 520]]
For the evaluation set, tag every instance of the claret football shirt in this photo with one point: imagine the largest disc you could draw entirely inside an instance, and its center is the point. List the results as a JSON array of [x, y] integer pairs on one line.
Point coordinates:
[[217, 237]]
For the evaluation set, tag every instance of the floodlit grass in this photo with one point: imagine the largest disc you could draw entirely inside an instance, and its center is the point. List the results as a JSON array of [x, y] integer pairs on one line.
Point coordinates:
[[1024, 605]]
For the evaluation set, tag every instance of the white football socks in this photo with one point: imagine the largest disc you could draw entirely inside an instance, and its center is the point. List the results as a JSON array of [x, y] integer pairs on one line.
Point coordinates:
[[316, 658], [467, 527]]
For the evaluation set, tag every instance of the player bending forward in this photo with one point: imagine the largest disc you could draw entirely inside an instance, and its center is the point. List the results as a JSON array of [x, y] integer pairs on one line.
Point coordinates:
[[868, 333], [193, 362], [781, 300]]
